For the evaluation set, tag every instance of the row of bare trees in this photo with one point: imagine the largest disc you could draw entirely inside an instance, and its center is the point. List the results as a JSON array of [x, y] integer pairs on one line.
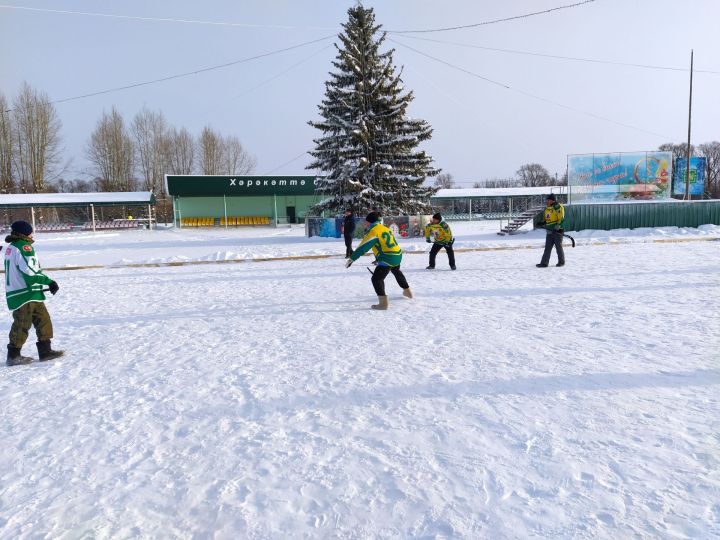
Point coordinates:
[[30, 152], [121, 156], [528, 175], [125, 158]]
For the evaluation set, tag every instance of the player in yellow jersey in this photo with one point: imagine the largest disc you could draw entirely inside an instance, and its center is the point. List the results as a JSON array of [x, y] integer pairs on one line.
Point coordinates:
[[388, 254]]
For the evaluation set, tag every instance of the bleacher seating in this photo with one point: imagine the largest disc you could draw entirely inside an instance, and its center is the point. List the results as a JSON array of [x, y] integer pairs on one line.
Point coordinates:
[[232, 221], [198, 222], [112, 224], [53, 227]]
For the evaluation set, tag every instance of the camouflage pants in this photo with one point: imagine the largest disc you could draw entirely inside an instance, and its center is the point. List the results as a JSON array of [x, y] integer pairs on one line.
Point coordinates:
[[31, 314]]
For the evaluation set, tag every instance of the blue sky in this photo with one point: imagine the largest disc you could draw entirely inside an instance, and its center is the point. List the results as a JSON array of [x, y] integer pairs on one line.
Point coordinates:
[[482, 130]]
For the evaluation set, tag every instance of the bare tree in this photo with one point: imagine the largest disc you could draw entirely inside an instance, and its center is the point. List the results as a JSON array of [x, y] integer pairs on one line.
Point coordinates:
[[444, 181], [222, 155], [498, 183], [210, 150], [149, 131], [7, 180], [534, 175], [235, 159], [679, 150], [37, 140], [181, 152], [110, 151], [72, 186], [711, 152]]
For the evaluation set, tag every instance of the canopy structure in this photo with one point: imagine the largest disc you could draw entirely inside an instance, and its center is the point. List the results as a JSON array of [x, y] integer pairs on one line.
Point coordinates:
[[67, 200], [492, 203]]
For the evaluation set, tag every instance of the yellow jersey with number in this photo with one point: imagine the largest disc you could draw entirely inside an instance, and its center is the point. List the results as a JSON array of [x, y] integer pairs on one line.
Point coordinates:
[[383, 244]]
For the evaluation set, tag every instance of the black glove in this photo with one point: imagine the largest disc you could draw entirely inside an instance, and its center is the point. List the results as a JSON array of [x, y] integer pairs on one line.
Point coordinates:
[[54, 287]]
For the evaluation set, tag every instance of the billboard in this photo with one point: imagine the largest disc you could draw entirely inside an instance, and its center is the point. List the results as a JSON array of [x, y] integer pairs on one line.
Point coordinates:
[[619, 176], [697, 176], [401, 226]]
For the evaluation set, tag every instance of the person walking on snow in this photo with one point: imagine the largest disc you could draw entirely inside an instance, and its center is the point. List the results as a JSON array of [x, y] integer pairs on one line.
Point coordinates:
[[348, 230], [442, 237], [553, 219], [389, 256], [24, 280]]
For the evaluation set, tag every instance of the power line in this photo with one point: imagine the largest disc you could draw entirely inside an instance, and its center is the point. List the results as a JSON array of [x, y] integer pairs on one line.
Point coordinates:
[[187, 74], [162, 19], [559, 57], [286, 163], [278, 75], [266, 81], [528, 94], [495, 21]]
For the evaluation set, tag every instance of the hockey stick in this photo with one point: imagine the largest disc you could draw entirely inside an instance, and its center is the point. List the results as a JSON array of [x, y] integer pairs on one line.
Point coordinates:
[[571, 239]]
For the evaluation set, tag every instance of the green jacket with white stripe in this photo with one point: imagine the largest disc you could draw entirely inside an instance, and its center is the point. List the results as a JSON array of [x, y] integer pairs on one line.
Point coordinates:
[[24, 279]]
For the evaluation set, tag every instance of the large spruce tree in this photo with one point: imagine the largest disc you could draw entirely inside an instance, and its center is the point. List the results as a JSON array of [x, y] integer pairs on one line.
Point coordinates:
[[368, 149]]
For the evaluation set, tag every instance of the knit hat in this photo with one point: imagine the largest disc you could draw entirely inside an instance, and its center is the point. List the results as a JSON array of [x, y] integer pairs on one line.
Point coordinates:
[[551, 197], [437, 216], [372, 217], [21, 227]]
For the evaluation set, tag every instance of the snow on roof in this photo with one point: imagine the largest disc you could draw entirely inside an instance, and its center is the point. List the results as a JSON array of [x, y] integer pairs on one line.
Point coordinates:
[[62, 199], [498, 192]]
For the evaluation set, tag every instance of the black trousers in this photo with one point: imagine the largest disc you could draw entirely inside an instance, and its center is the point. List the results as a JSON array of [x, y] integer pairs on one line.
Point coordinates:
[[435, 249], [553, 238], [348, 244], [381, 272]]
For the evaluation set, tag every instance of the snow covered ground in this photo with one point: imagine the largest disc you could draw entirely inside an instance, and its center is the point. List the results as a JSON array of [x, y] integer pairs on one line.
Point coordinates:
[[266, 400]]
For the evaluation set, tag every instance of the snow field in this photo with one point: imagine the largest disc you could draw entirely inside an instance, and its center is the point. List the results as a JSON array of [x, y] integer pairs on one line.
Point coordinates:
[[265, 400]]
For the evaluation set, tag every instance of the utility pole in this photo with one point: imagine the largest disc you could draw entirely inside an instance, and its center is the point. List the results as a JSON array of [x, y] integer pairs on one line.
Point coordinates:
[[687, 168]]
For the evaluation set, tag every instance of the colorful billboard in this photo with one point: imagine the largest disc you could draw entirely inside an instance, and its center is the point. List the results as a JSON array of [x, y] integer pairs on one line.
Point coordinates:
[[401, 226], [619, 176], [697, 176]]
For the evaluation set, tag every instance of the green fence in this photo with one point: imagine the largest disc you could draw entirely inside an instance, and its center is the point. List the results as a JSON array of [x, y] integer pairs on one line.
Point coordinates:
[[645, 214], [609, 216]]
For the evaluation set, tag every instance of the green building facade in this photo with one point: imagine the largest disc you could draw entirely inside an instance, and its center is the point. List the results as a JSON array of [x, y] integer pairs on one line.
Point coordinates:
[[221, 200]]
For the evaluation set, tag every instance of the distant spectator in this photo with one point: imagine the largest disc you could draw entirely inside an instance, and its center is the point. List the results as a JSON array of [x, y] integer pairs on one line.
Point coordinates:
[[348, 230]]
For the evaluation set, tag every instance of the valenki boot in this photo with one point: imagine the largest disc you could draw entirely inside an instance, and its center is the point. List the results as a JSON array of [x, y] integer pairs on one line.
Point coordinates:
[[407, 293], [14, 358], [46, 352], [382, 303]]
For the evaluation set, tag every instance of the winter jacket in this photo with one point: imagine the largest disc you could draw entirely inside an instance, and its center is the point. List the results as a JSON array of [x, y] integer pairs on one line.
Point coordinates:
[[383, 244], [349, 225], [554, 217], [24, 278], [440, 233]]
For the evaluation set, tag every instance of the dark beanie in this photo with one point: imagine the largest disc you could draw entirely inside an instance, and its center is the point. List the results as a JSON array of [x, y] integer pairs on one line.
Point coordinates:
[[437, 216], [21, 227], [372, 217], [551, 197]]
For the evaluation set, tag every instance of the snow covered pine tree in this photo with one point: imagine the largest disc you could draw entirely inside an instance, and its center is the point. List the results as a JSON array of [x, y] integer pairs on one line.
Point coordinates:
[[368, 148]]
